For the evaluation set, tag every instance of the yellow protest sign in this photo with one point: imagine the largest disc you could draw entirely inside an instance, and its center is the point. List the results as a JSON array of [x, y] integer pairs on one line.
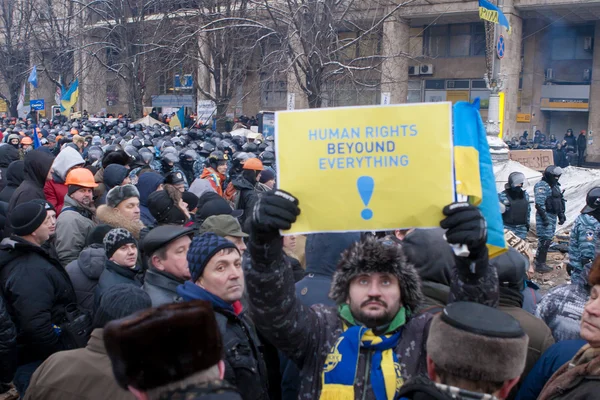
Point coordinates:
[[367, 168]]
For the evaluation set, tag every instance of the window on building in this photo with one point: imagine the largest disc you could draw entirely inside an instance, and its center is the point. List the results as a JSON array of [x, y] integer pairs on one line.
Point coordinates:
[[453, 90], [367, 46], [343, 94], [414, 92], [456, 40], [273, 95], [112, 56]]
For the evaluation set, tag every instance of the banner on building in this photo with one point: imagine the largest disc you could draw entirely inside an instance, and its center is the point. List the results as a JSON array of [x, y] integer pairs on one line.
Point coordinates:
[[367, 168], [534, 159]]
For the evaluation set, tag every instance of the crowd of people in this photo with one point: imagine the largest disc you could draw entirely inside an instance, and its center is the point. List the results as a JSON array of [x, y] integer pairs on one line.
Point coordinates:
[[140, 262], [568, 151]]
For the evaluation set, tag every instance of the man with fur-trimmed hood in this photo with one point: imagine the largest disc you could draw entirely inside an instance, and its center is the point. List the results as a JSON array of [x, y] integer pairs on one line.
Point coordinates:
[[372, 341], [122, 210]]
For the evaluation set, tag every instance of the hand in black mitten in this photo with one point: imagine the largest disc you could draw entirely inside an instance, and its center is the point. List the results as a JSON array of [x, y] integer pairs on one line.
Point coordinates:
[[274, 211], [561, 219], [465, 225]]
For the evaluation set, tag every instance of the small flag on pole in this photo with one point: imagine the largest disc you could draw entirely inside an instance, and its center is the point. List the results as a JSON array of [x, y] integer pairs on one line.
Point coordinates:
[[489, 12], [33, 77], [178, 119]]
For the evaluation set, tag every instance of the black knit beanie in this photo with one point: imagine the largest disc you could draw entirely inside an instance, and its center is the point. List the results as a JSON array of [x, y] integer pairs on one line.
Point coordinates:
[[120, 301], [117, 238], [27, 217]]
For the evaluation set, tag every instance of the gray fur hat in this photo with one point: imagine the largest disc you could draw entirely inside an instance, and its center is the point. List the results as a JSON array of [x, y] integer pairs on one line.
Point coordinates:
[[119, 194], [368, 256]]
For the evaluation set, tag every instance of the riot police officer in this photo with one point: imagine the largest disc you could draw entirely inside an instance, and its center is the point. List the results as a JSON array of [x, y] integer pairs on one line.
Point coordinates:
[[549, 205], [584, 235], [516, 200]]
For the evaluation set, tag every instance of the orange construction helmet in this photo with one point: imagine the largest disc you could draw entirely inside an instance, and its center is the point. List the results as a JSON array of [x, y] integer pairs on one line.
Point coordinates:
[[26, 140], [74, 131], [81, 177], [254, 164]]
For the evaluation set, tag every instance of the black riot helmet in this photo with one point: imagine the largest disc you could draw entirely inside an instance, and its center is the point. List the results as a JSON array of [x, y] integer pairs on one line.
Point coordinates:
[[592, 201], [552, 174], [515, 180]]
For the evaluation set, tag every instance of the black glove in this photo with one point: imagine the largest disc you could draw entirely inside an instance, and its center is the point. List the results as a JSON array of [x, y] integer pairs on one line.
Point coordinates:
[[466, 225], [273, 211], [528, 227], [561, 218]]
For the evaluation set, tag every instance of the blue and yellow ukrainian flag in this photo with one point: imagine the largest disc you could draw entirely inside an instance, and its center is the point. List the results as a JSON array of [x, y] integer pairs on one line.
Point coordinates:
[[69, 98], [489, 12], [177, 119], [474, 172]]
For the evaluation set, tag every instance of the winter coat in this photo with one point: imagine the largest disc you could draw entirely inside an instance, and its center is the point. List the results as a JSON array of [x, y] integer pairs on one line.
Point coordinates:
[[55, 189], [307, 334], [215, 390], [161, 286], [562, 308], [560, 158], [14, 177], [555, 357], [37, 290], [216, 179], [85, 272], [581, 142], [577, 379], [78, 374], [421, 388], [244, 363], [571, 140], [8, 154], [37, 166], [8, 344], [147, 184], [323, 251], [582, 240], [115, 274], [247, 197], [72, 228]]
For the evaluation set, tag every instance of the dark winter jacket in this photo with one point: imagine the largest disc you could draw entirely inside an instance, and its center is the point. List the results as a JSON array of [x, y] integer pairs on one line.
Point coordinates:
[[8, 154], [581, 142], [14, 177], [306, 335], [247, 198], [555, 357], [323, 252], [85, 272], [244, 363], [216, 390], [37, 166], [147, 184], [115, 274], [8, 344], [560, 157], [421, 388], [37, 290], [161, 286]]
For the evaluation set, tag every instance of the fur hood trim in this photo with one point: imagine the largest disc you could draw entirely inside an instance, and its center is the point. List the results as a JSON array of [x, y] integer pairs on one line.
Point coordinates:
[[111, 216], [371, 255]]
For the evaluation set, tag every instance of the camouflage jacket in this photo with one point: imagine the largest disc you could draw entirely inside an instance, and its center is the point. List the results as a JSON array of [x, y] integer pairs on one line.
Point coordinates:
[[306, 334], [582, 243]]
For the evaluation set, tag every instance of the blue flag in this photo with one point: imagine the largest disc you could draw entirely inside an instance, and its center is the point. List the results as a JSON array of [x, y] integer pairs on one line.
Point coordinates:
[[33, 77], [489, 12], [36, 138]]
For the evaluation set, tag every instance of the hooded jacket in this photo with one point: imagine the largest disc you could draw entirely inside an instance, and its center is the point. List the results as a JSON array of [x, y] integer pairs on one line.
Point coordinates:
[[433, 259], [37, 290], [55, 189], [8, 154], [85, 272], [14, 176], [307, 335], [114, 175], [72, 228], [147, 183], [37, 166]]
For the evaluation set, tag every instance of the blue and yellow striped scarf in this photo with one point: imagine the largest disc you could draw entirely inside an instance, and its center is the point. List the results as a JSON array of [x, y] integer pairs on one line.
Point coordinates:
[[340, 369]]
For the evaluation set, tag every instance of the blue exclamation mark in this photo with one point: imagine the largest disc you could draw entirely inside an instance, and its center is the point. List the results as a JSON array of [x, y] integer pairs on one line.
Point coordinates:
[[365, 185]]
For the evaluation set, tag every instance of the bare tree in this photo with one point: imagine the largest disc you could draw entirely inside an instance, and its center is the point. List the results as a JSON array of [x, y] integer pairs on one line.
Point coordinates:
[[328, 44], [14, 49]]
